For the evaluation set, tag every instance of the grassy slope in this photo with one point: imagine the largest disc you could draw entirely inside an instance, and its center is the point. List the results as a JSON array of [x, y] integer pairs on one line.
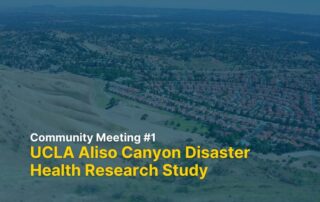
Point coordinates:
[[64, 102]]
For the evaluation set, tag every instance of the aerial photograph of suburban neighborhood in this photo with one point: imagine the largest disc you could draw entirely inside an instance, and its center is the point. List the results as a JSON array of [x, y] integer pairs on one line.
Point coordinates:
[[215, 78]]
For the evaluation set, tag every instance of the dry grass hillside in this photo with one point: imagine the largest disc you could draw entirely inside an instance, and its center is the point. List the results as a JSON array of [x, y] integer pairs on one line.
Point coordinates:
[[66, 103]]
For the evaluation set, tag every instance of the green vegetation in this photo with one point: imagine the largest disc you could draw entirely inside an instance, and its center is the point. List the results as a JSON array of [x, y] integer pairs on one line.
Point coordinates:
[[185, 124], [112, 102], [144, 117]]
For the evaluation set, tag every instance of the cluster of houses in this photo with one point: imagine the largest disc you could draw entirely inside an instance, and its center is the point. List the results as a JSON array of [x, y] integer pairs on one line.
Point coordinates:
[[274, 106]]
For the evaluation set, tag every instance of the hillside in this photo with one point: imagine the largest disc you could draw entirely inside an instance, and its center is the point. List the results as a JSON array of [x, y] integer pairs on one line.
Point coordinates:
[[66, 103]]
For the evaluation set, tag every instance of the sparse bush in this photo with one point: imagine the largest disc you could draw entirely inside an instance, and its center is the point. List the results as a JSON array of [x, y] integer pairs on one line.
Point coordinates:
[[144, 117]]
